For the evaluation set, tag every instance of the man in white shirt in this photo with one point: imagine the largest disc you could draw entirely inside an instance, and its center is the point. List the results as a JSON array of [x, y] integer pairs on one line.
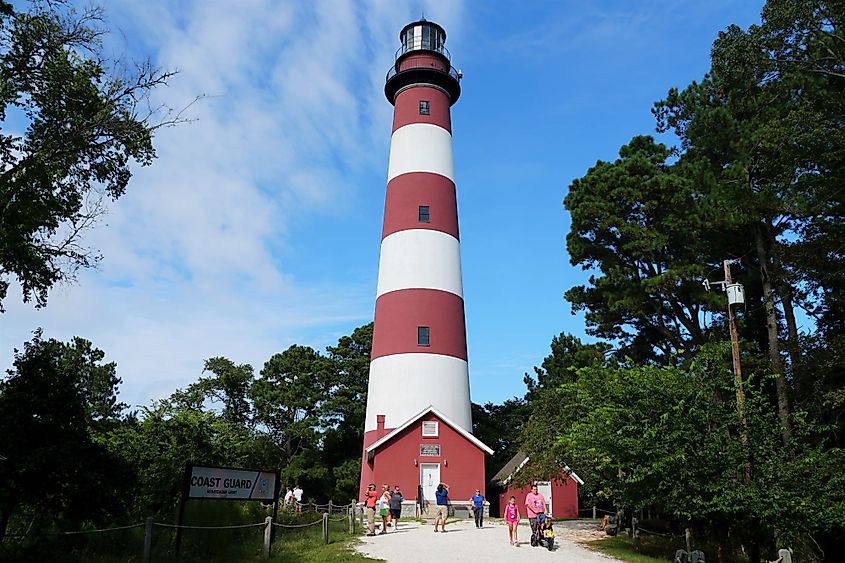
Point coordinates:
[[297, 493]]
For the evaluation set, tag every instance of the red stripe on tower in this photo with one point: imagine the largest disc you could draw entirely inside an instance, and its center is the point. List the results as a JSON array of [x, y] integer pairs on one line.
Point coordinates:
[[420, 200]]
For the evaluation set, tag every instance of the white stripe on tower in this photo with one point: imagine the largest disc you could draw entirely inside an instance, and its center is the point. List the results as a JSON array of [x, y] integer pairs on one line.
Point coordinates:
[[401, 380], [421, 147], [420, 258]]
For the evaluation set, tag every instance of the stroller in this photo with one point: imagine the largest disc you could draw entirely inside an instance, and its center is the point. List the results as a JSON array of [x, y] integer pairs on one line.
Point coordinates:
[[544, 535]]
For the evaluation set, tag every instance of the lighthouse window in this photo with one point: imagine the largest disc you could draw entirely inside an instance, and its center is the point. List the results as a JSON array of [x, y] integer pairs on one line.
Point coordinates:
[[425, 216], [429, 430], [423, 336], [424, 107]]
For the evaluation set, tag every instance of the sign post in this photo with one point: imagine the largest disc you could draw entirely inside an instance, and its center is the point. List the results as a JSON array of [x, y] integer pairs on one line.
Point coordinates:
[[226, 483], [182, 499]]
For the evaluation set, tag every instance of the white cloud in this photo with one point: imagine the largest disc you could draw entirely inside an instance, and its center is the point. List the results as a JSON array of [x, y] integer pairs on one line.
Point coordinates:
[[295, 125]]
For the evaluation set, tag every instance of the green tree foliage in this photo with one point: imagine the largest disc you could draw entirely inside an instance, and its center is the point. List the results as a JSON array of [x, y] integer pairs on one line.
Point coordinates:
[[500, 427], [757, 175], [228, 385], [55, 399], [627, 217], [78, 458], [344, 411], [72, 127], [666, 438], [288, 397], [568, 355]]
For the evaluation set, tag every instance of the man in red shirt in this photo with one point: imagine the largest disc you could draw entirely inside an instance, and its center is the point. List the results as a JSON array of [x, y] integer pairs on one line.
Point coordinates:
[[370, 496], [535, 504]]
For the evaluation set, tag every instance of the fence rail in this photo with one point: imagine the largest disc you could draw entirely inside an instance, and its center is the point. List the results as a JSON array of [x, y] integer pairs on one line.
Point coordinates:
[[268, 525]]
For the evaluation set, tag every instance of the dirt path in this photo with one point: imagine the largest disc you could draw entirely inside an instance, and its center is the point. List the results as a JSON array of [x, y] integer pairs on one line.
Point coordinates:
[[417, 543]]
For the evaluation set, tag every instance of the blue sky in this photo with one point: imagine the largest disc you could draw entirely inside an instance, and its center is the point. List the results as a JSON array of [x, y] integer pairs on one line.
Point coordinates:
[[259, 224]]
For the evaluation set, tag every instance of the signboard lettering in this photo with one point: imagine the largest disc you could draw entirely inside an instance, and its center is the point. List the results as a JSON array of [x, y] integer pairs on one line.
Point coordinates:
[[225, 483], [430, 449]]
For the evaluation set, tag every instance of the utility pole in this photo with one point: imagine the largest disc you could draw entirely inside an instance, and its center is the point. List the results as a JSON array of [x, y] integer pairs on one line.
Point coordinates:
[[736, 295], [734, 337]]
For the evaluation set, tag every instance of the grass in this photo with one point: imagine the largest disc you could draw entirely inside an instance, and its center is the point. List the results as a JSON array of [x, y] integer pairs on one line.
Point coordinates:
[[300, 545], [307, 550], [650, 550]]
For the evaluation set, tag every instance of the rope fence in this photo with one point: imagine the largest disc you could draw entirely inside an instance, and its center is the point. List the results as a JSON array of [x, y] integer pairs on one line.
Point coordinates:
[[295, 525], [75, 533], [184, 527], [649, 532], [268, 526]]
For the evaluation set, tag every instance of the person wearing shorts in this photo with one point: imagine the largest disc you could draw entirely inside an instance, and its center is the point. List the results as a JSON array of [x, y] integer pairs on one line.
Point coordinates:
[[370, 496], [512, 519], [442, 496], [396, 499], [384, 507]]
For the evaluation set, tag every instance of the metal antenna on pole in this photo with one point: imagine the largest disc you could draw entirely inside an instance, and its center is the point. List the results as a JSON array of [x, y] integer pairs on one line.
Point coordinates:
[[736, 295]]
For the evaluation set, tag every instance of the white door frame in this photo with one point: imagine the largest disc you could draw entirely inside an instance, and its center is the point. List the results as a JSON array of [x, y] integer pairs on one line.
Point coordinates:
[[430, 488], [542, 488]]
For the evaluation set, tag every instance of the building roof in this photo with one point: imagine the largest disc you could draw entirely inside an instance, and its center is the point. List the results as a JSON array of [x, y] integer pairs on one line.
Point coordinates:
[[517, 462], [429, 409]]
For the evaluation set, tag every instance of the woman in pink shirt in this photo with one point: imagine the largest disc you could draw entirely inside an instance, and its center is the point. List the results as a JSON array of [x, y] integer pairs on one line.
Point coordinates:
[[512, 519]]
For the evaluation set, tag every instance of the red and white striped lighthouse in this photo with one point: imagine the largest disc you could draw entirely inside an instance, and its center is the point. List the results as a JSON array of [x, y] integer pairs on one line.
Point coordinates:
[[418, 428]]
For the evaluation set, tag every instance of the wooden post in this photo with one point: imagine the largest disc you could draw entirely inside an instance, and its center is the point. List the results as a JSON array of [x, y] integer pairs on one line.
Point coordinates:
[[740, 392], [351, 515], [330, 506], [268, 534], [594, 512], [362, 515], [148, 539], [186, 484], [689, 541], [325, 528], [276, 497]]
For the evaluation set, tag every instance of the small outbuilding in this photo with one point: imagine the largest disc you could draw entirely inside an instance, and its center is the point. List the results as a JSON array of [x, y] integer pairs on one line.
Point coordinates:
[[560, 490]]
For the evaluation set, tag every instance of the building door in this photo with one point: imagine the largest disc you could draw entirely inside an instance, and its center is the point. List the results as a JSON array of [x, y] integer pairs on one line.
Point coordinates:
[[545, 489], [429, 479]]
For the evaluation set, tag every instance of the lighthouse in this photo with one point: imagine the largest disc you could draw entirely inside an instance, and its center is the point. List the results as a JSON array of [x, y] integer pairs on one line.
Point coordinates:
[[418, 427]]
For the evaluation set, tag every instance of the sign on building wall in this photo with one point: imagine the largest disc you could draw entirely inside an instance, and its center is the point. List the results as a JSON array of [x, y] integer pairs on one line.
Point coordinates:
[[429, 449], [230, 483]]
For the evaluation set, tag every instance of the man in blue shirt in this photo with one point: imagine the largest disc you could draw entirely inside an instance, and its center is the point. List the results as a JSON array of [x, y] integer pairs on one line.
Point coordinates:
[[477, 504], [442, 496]]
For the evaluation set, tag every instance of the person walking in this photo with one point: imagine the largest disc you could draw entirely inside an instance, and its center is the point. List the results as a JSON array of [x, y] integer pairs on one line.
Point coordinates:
[[396, 499], [477, 504], [370, 496], [383, 506], [512, 520], [289, 498], [442, 496], [535, 504]]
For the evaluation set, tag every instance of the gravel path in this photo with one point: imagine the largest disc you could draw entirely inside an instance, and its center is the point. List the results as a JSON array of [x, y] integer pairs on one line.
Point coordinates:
[[417, 543]]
